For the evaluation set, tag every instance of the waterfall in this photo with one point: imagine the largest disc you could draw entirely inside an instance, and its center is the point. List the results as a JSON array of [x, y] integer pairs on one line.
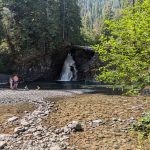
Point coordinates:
[[69, 71]]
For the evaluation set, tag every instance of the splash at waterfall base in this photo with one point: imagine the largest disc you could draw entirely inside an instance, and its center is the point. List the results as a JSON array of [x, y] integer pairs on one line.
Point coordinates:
[[69, 71]]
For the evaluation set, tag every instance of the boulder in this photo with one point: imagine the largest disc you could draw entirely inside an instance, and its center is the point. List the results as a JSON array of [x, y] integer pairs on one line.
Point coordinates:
[[4, 79]]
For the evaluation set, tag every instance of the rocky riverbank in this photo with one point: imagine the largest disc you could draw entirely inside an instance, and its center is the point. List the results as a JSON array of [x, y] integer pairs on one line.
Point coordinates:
[[29, 133], [63, 119], [25, 95]]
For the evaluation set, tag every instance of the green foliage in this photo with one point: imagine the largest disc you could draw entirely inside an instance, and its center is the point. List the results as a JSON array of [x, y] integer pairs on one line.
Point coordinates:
[[34, 27], [93, 13], [142, 127], [125, 51], [70, 21]]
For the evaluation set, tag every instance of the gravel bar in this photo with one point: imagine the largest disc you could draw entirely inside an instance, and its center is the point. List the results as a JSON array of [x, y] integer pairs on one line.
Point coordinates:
[[16, 96]]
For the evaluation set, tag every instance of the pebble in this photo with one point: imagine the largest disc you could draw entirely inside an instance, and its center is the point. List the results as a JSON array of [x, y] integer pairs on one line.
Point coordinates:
[[114, 119], [17, 130], [55, 148], [23, 122], [12, 119], [96, 123]]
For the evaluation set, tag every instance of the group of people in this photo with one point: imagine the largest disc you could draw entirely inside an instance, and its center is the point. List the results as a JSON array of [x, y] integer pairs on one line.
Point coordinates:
[[13, 81]]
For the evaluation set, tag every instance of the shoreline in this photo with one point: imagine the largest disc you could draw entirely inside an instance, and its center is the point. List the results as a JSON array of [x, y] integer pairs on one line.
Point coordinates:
[[55, 109], [8, 96]]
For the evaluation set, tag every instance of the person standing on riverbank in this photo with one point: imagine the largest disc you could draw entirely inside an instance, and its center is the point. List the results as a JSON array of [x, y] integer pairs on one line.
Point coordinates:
[[14, 80]]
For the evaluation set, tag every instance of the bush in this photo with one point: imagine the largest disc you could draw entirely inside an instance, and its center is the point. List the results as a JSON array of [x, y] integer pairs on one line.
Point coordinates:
[[142, 127], [125, 51]]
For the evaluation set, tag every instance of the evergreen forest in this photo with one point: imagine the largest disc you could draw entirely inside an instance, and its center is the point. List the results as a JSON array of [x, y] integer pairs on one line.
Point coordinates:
[[118, 30]]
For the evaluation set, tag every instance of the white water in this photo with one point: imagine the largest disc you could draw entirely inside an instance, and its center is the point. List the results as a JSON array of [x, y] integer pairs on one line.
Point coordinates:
[[69, 74]]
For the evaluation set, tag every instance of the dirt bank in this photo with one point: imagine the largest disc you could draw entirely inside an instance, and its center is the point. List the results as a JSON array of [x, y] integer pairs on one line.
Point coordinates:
[[117, 113]]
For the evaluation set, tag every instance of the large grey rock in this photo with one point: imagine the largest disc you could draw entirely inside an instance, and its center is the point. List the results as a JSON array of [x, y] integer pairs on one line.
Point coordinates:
[[83, 56]]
